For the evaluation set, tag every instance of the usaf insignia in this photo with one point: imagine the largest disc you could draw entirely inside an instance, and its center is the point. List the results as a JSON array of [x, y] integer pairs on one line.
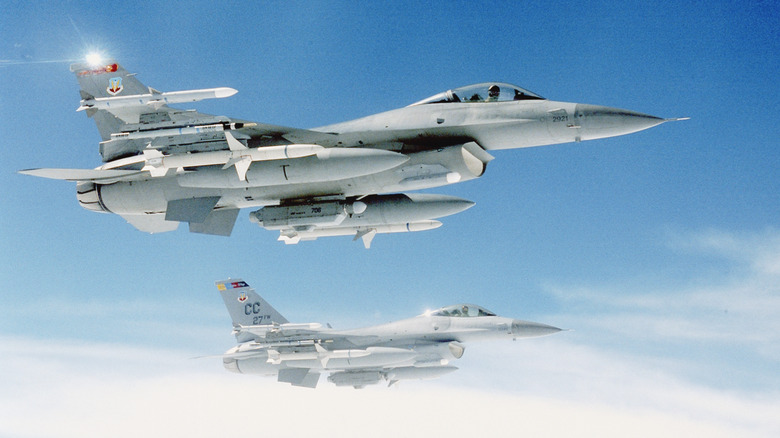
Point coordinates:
[[114, 86]]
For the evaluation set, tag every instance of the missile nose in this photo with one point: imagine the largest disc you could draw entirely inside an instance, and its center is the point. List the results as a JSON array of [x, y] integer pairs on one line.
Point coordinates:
[[435, 205], [601, 121], [528, 329], [224, 92]]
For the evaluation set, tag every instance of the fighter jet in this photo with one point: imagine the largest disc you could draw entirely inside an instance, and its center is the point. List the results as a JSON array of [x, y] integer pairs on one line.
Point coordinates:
[[416, 348], [162, 165]]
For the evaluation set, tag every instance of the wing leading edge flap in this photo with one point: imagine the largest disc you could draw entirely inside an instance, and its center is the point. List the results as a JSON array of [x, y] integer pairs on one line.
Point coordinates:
[[299, 377]]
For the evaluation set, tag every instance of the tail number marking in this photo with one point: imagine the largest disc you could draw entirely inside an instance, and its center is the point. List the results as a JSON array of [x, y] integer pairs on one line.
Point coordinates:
[[254, 309]]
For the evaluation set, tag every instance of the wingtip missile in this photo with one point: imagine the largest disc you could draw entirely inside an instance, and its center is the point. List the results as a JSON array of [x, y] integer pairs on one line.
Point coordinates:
[[102, 175], [155, 98]]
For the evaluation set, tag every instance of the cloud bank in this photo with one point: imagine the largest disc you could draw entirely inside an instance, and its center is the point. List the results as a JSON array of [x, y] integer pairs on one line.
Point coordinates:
[[645, 359], [73, 389]]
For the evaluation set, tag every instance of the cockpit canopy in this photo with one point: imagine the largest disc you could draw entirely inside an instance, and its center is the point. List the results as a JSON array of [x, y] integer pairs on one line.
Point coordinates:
[[484, 92], [463, 310]]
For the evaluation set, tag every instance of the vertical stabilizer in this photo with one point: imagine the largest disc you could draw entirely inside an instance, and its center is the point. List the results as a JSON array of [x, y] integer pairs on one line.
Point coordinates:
[[245, 306], [107, 79]]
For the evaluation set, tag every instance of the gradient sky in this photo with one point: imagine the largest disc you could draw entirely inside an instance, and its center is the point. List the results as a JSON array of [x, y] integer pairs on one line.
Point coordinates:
[[660, 249]]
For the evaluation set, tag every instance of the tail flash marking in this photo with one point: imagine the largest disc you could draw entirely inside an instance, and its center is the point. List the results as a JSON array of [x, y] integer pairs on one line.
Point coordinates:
[[232, 285], [105, 69]]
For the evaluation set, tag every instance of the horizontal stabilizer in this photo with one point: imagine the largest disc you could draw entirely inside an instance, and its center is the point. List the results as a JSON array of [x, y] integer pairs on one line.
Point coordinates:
[[299, 377], [94, 175], [191, 209], [218, 223]]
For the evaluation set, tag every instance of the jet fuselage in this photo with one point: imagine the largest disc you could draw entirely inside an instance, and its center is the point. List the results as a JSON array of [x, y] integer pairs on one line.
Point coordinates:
[[164, 166], [413, 348]]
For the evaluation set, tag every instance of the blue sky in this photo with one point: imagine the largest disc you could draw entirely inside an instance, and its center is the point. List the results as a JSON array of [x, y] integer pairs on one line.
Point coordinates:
[[661, 249]]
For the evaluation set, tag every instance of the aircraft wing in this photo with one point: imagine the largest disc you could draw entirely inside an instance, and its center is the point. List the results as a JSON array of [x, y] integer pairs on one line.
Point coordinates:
[[299, 377]]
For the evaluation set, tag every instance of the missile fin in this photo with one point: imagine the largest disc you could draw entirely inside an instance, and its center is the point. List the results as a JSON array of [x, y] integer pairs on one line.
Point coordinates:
[[156, 172], [274, 357], [242, 166], [231, 162], [289, 237], [150, 153], [324, 358], [156, 104], [154, 163], [367, 235], [234, 144]]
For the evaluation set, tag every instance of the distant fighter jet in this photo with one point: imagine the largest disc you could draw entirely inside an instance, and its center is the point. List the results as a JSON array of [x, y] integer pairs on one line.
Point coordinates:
[[414, 348], [163, 165]]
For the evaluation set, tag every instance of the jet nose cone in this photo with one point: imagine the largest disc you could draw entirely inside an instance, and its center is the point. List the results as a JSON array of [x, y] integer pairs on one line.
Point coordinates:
[[601, 121], [528, 329]]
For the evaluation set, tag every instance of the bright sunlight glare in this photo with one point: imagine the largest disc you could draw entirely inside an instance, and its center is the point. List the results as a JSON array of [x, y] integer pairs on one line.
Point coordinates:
[[94, 58]]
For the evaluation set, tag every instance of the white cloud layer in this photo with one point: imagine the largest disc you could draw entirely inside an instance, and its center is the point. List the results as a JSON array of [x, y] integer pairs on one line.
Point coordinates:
[[760, 249], [736, 307], [645, 359], [70, 389]]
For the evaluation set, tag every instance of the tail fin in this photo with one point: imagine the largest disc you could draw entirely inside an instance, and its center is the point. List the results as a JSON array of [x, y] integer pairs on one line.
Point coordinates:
[[107, 79], [245, 306], [119, 102]]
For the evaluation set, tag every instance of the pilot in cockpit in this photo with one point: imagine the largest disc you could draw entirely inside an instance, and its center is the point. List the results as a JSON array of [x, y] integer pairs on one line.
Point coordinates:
[[493, 93]]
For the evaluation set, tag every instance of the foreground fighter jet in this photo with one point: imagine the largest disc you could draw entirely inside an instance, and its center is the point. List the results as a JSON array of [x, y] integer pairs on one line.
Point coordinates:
[[414, 348], [163, 165]]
